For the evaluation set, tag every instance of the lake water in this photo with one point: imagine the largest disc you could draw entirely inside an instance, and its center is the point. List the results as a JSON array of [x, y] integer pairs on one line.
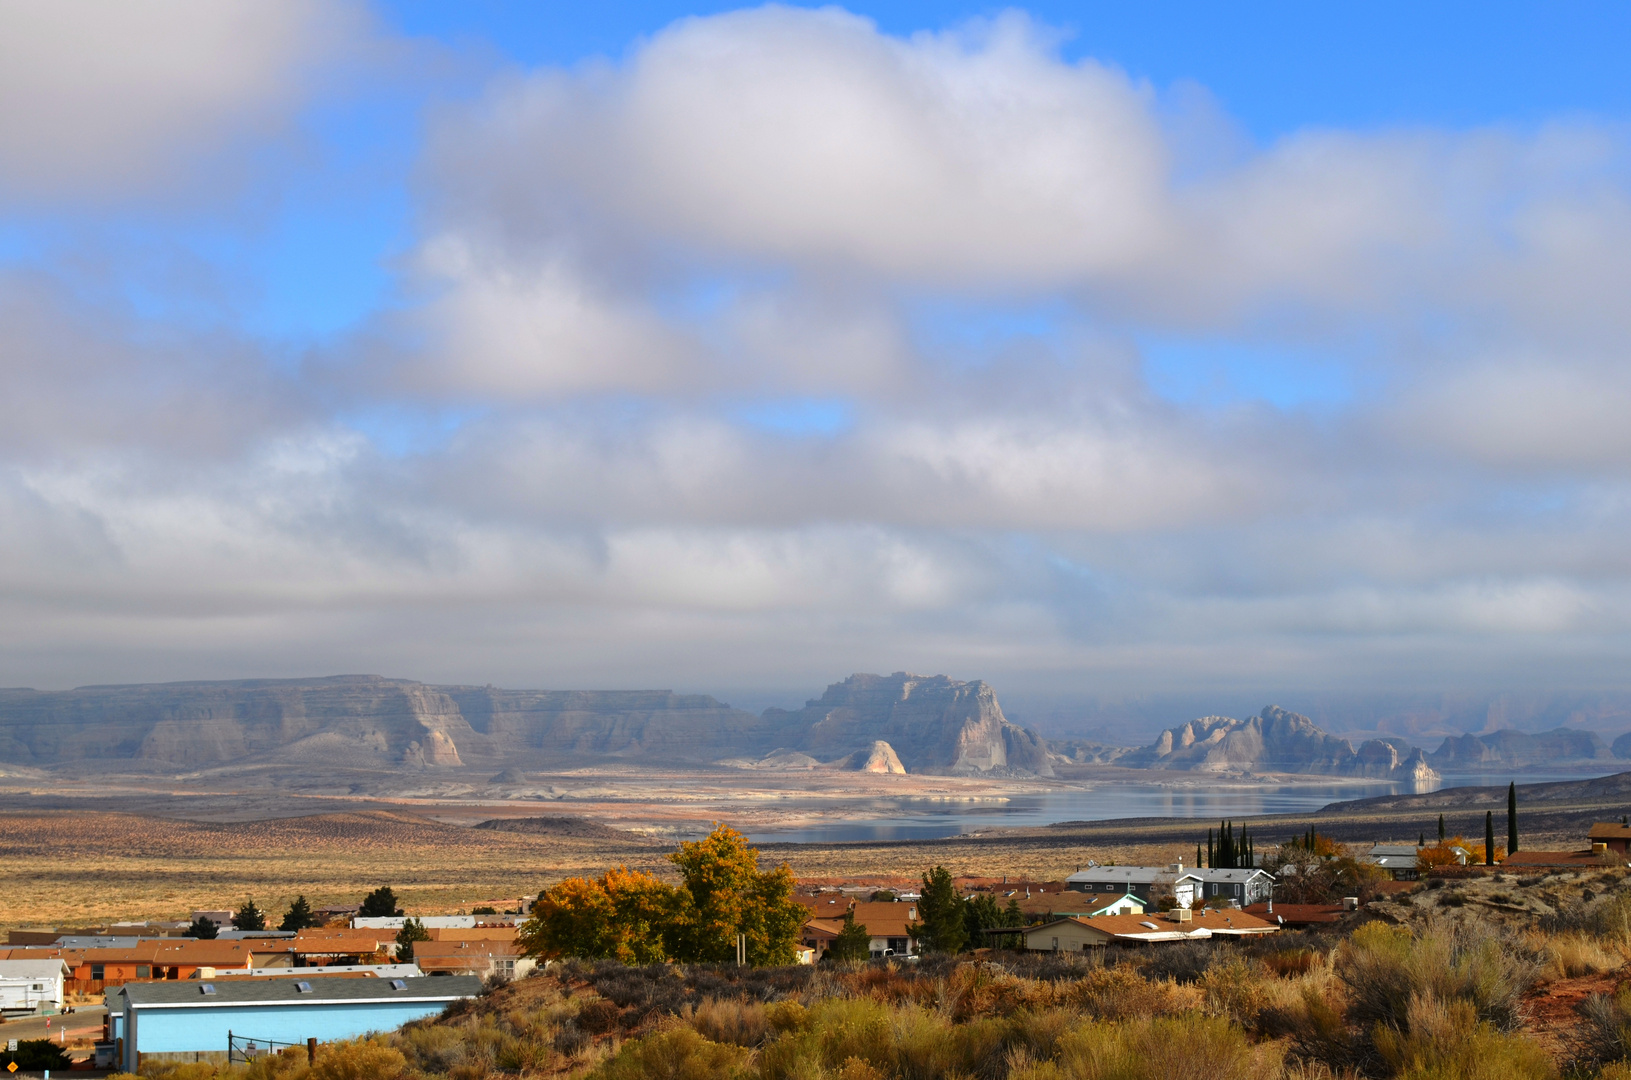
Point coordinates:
[[932, 820]]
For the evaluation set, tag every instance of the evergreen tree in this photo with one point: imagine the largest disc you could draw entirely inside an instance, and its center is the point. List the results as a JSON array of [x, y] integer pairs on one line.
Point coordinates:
[[203, 929], [1211, 859], [1198, 862], [413, 930], [1512, 817], [299, 915], [1489, 838], [249, 917], [941, 912], [852, 943], [1441, 830], [379, 904]]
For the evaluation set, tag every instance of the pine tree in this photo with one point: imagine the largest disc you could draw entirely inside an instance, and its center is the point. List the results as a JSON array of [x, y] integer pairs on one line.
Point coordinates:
[[413, 930], [941, 911], [299, 915], [203, 929], [1512, 817], [379, 904], [249, 917], [852, 943], [1489, 838]]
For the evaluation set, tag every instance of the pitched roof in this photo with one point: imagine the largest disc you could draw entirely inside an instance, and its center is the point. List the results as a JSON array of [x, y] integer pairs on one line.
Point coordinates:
[[1609, 830], [1297, 914], [1130, 875], [1558, 858], [191, 994], [430, 950], [32, 969]]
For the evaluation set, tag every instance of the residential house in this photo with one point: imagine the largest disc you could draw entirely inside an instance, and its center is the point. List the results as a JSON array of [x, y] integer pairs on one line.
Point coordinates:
[[1180, 924], [325, 946], [1613, 835], [1399, 860], [1143, 882], [32, 986], [887, 922], [192, 1021], [1248, 885], [394, 923], [1298, 916], [503, 959]]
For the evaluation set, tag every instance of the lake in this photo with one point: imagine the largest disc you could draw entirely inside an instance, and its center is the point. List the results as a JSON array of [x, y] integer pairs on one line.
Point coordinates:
[[927, 819]]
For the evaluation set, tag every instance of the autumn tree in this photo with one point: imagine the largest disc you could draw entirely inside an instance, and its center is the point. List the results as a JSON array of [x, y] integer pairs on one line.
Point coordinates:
[[622, 915], [725, 895]]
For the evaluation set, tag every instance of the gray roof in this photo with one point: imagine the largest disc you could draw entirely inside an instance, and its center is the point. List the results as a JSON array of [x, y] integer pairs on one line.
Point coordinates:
[[1242, 874], [1394, 849], [1129, 875], [190, 992], [32, 969]]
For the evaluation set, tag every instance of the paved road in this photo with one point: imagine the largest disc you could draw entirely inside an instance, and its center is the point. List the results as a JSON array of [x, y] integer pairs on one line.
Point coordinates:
[[85, 1022]]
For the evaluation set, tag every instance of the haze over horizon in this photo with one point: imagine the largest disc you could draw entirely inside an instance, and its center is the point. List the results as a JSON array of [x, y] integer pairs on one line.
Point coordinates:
[[1088, 352]]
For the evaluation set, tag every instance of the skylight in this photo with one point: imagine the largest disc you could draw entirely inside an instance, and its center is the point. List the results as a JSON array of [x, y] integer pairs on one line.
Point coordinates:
[[302, 987], [398, 984], [207, 988], [1151, 925]]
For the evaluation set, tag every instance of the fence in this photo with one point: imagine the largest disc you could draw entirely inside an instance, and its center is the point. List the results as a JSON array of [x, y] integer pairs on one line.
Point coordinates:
[[246, 1048]]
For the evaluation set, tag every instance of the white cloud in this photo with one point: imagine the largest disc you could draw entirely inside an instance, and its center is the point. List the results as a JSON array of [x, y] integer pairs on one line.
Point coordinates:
[[105, 97]]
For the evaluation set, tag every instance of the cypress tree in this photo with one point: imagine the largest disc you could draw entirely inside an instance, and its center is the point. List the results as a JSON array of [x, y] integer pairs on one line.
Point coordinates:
[[1489, 838], [1198, 862], [1211, 860], [1441, 830], [1512, 817]]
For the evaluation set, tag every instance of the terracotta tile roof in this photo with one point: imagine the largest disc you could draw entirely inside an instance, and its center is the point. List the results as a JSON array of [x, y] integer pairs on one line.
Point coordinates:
[[1298, 914]]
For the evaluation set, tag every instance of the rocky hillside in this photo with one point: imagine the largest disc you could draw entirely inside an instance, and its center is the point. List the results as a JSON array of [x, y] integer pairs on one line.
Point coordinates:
[[359, 721], [870, 723], [1276, 741], [1508, 749], [930, 723]]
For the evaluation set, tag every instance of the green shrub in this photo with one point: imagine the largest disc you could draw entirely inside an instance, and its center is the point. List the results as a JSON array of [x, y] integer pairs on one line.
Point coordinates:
[[678, 1053]]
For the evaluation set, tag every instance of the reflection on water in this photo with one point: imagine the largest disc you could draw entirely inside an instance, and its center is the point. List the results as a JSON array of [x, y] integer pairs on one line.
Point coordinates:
[[929, 820]]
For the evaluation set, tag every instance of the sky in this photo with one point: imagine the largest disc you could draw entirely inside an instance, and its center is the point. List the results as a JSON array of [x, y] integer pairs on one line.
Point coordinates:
[[1084, 349]]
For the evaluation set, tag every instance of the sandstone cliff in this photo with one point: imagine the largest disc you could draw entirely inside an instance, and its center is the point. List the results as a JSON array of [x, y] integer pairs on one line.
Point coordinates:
[[1276, 741], [1518, 749], [933, 724]]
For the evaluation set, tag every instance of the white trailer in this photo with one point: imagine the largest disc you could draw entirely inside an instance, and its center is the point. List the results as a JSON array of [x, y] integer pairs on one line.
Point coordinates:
[[32, 986]]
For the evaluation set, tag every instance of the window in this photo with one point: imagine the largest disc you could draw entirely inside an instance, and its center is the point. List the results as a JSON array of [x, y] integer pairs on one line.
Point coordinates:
[[144, 971], [97, 972]]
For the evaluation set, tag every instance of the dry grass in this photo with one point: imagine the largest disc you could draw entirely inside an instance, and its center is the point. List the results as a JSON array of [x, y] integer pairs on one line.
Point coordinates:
[[84, 868], [77, 868]]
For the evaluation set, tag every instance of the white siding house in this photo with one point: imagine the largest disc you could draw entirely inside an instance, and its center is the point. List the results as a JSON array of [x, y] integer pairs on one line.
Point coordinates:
[[32, 986]]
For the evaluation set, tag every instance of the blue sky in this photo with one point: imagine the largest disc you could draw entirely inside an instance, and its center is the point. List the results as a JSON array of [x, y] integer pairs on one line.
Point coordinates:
[[747, 346]]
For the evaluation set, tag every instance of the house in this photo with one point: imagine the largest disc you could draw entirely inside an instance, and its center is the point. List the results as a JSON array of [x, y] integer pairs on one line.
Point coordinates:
[[93, 970], [479, 933], [1299, 915], [1613, 835], [819, 934], [483, 959], [1248, 885], [219, 918], [394, 923], [324, 946], [1180, 924], [32, 986], [193, 1021], [887, 921], [1141, 881], [1399, 860]]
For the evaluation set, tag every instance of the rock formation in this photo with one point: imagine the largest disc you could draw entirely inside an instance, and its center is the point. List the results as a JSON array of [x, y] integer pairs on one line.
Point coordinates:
[[1518, 749], [1276, 741], [868, 722], [933, 724]]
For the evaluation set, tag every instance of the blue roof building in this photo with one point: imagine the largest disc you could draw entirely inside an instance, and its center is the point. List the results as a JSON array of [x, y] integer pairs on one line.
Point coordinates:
[[192, 1019]]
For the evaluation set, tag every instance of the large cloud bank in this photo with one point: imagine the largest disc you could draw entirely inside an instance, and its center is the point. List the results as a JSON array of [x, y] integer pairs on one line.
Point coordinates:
[[784, 347]]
